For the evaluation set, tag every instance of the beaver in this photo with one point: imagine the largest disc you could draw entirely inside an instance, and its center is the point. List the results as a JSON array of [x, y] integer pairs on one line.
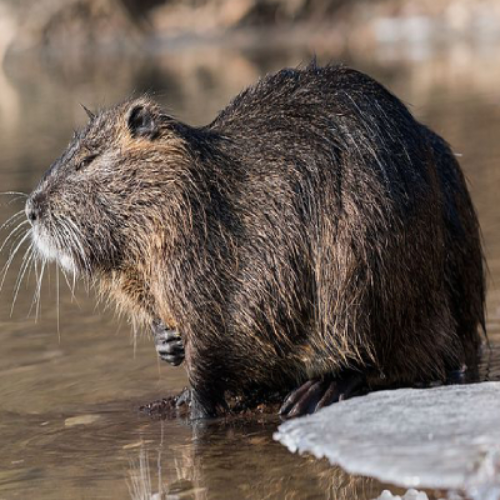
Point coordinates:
[[313, 238]]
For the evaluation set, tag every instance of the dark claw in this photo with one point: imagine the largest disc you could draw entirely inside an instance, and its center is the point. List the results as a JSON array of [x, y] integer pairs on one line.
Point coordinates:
[[308, 401], [330, 396], [316, 394], [162, 336], [171, 360], [169, 345], [351, 386], [294, 397], [457, 376], [183, 398]]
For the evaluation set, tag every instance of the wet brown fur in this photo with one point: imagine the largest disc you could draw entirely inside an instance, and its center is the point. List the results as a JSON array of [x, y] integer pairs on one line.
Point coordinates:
[[313, 226]]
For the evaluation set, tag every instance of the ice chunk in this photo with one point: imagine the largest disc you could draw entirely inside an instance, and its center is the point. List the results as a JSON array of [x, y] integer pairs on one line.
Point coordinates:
[[409, 495], [445, 438]]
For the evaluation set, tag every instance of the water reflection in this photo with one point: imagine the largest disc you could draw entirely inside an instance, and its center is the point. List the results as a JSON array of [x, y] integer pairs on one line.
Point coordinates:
[[221, 452], [69, 425], [117, 451]]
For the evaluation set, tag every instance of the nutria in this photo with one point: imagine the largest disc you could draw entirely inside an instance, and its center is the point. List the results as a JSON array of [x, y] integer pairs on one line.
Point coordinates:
[[313, 236]]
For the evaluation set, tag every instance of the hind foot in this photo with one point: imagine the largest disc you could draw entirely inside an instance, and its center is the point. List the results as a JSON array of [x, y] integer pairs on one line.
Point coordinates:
[[315, 394], [168, 343], [170, 407]]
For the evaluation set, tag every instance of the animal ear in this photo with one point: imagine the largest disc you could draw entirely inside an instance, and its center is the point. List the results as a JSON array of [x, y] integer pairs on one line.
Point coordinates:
[[88, 112], [141, 121]]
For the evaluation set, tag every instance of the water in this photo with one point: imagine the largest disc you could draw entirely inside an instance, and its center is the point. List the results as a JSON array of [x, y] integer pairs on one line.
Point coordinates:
[[71, 382]]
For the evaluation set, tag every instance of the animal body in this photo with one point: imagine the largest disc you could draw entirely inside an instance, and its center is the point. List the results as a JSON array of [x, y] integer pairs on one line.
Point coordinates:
[[313, 236]]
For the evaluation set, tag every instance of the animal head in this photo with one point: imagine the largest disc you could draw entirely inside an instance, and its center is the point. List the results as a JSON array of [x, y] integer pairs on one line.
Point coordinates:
[[106, 199]]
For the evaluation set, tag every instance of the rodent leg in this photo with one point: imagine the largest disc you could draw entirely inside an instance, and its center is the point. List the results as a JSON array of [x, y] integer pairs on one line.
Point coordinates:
[[168, 343], [207, 396], [315, 394], [203, 406]]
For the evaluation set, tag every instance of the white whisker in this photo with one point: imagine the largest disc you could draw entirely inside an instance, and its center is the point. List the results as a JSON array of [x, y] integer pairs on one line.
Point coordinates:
[[15, 199], [11, 258], [33, 300], [77, 236], [22, 271], [58, 303], [68, 234], [12, 233], [11, 193], [39, 292], [10, 220], [71, 286]]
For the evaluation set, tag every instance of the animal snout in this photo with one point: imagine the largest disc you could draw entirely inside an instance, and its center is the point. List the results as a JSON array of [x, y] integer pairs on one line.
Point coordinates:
[[34, 207]]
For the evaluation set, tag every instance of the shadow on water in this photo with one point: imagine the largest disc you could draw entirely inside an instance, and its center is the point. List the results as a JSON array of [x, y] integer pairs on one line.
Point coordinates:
[[69, 424]]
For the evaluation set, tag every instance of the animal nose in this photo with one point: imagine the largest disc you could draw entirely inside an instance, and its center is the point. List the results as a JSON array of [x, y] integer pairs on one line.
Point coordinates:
[[33, 209]]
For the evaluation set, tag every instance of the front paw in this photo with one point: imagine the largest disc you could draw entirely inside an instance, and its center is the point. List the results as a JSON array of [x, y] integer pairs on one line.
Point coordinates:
[[168, 343]]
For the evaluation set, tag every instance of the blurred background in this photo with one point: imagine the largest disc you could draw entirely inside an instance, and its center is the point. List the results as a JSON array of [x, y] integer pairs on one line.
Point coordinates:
[[71, 382]]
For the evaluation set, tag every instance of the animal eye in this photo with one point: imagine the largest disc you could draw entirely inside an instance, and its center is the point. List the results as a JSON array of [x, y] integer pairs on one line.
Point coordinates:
[[85, 162]]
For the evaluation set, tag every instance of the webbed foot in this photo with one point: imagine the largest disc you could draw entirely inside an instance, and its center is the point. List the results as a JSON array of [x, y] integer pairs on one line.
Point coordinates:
[[168, 343], [315, 394]]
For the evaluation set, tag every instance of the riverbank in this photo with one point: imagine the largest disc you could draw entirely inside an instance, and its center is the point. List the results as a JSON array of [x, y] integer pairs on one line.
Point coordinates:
[[77, 28]]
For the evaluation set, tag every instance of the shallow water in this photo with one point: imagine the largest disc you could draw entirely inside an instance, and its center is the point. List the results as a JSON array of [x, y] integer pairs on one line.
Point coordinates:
[[71, 382]]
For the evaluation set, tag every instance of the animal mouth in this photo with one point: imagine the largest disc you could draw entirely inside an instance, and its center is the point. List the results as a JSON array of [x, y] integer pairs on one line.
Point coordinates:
[[49, 248], [54, 238]]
